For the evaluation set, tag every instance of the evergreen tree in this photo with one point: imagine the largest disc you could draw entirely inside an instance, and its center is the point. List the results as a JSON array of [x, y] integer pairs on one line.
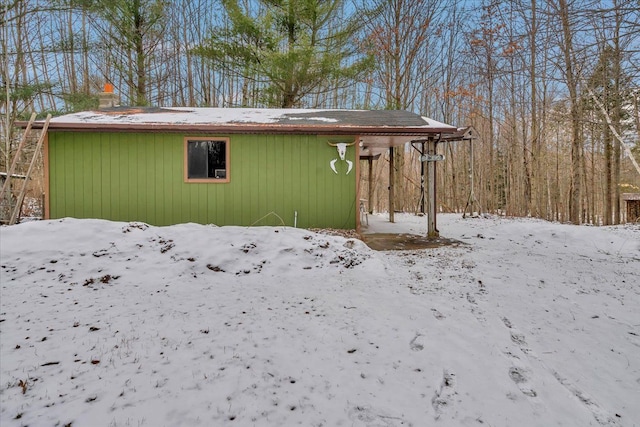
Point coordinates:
[[290, 48], [131, 31]]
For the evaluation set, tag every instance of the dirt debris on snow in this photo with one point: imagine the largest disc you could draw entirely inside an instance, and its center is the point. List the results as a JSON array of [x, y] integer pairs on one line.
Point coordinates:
[[529, 323]]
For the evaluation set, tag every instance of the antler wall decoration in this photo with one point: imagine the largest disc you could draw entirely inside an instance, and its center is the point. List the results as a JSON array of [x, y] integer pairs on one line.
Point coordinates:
[[342, 151]]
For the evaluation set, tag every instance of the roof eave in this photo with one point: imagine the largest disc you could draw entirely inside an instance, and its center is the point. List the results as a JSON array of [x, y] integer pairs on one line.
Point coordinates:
[[245, 128]]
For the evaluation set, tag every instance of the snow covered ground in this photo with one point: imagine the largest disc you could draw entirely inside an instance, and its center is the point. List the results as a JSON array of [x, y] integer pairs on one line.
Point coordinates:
[[529, 323]]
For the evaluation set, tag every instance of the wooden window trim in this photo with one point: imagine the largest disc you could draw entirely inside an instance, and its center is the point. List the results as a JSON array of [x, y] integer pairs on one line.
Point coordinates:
[[206, 180]]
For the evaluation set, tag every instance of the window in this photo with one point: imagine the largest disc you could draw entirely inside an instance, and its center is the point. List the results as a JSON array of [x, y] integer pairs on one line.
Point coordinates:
[[206, 160]]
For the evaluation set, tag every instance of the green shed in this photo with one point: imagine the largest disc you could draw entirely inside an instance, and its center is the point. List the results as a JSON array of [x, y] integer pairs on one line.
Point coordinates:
[[223, 166]]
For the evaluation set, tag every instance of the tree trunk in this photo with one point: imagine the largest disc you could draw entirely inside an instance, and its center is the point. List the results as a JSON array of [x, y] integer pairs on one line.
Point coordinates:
[[575, 201], [608, 174]]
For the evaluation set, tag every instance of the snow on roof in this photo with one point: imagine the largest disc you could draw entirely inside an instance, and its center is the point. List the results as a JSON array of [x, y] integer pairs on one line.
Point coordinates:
[[239, 117], [180, 115], [434, 123]]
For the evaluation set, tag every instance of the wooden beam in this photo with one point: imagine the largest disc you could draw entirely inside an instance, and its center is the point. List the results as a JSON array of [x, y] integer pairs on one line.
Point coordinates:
[[422, 162], [358, 171], [391, 178], [370, 160], [432, 230]]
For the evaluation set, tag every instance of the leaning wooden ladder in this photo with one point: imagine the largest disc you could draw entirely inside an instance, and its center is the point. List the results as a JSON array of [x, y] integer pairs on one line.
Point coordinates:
[[18, 207]]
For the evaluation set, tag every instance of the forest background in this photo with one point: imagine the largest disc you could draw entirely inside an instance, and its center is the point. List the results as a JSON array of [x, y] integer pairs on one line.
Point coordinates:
[[550, 87]]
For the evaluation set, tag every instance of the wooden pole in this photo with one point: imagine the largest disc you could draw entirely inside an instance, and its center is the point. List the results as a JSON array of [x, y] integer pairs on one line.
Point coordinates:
[[471, 200], [422, 179], [391, 178], [370, 160], [432, 230]]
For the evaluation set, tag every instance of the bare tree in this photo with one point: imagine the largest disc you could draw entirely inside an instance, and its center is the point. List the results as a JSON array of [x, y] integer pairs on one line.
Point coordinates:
[[486, 45], [401, 38], [572, 78]]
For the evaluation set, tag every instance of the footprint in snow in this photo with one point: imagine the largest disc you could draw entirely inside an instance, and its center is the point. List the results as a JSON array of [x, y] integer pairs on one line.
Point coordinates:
[[415, 345], [520, 377], [437, 314], [367, 416], [507, 322], [516, 336], [443, 397]]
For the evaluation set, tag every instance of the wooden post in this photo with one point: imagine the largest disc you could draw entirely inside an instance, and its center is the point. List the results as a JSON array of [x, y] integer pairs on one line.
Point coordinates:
[[391, 178], [471, 200], [422, 180], [432, 230], [370, 160]]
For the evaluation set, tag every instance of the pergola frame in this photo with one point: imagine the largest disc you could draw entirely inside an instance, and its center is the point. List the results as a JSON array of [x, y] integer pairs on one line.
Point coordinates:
[[428, 153]]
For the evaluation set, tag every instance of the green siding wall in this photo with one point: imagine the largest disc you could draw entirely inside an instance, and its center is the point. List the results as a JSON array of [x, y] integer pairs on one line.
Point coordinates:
[[140, 177]]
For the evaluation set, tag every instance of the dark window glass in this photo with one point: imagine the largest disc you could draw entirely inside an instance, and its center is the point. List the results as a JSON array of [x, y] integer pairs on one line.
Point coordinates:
[[206, 159]]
